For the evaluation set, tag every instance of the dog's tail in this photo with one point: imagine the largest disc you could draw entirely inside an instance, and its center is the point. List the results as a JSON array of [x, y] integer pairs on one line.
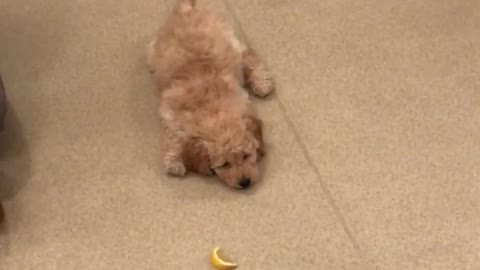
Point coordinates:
[[184, 6]]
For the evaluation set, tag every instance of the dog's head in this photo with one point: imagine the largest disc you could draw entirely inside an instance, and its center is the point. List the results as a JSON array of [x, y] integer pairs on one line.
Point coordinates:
[[233, 154]]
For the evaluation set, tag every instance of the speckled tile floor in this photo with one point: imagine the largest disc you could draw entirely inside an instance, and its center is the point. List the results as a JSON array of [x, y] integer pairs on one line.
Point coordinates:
[[373, 136]]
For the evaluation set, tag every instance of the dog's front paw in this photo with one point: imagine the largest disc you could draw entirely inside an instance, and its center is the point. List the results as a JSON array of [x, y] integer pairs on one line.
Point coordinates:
[[176, 168], [150, 54], [257, 77], [260, 82]]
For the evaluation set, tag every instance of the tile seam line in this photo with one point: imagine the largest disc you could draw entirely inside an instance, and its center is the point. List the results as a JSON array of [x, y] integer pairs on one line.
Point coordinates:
[[298, 139]]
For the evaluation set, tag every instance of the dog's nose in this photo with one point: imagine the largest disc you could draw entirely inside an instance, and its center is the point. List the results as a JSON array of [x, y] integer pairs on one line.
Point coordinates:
[[244, 183]]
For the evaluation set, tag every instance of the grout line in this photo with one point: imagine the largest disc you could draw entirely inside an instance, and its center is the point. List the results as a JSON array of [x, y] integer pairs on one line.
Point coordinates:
[[316, 171], [302, 145]]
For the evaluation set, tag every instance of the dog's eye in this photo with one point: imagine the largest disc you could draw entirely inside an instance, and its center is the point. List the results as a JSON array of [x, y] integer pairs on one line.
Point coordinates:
[[225, 165], [246, 156]]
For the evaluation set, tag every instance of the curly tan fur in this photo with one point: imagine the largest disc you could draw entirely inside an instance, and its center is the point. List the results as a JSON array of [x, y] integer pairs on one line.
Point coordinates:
[[210, 126]]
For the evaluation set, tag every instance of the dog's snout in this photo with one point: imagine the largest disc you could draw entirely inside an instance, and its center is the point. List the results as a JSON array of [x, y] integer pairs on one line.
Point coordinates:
[[244, 183]]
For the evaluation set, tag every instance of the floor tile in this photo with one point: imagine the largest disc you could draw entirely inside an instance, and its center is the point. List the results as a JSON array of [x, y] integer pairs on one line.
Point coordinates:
[[384, 95]]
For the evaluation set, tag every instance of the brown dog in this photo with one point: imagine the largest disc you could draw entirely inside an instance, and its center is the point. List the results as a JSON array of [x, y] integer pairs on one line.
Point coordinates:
[[201, 67]]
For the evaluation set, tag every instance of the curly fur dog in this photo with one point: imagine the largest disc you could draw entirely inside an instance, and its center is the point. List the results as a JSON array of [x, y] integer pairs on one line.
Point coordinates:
[[210, 126]]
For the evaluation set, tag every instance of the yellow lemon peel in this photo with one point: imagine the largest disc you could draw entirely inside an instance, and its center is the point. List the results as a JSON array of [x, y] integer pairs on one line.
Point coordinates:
[[220, 261]]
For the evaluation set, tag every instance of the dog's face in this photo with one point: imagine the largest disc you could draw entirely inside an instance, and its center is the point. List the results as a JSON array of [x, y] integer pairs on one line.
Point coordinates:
[[236, 162], [234, 159]]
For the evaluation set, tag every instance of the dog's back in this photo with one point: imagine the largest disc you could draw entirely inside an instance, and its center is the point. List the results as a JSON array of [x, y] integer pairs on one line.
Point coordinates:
[[197, 68], [194, 42]]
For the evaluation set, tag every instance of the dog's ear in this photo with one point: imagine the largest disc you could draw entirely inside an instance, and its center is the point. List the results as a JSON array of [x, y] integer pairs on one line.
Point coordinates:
[[195, 156], [254, 125]]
